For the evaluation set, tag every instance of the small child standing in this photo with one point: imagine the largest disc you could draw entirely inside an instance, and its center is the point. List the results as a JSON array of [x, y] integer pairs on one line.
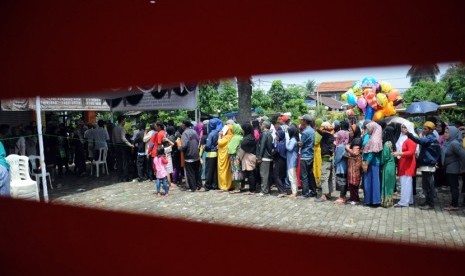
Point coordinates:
[[159, 165], [354, 171]]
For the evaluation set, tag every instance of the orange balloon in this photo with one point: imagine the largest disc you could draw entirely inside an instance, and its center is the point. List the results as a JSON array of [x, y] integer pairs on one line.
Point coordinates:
[[392, 96], [371, 99], [379, 115]]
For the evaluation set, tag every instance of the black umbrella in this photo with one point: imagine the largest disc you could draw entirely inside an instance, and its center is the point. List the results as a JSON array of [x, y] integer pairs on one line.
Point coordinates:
[[422, 108]]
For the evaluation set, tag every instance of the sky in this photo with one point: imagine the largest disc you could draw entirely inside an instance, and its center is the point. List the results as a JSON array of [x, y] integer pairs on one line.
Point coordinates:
[[395, 75]]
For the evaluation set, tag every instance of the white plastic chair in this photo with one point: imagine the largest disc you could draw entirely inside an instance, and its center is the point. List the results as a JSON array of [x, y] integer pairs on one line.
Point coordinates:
[[21, 185], [102, 160], [34, 160]]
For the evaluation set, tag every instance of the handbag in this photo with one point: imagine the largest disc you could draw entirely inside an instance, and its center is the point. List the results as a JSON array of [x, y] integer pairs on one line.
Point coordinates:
[[240, 153]]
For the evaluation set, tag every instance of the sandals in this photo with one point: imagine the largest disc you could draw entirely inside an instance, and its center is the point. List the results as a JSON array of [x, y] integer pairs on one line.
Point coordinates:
[[451, 208], [234, 192], [340, 201]]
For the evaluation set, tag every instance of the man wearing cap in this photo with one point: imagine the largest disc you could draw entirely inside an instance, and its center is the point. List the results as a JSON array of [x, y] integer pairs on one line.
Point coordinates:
[[190, 147], [285, 122], [121, 149], [427, 160], [306, 157]]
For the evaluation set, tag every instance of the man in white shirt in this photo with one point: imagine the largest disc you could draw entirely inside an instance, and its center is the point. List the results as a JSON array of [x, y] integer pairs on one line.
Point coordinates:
[[100, 138]]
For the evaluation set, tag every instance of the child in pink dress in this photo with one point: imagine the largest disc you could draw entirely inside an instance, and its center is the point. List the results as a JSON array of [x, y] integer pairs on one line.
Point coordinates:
[[159, 165]]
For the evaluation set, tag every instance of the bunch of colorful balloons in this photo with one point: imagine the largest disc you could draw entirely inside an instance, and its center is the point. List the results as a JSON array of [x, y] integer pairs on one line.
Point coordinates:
[[375, 99]]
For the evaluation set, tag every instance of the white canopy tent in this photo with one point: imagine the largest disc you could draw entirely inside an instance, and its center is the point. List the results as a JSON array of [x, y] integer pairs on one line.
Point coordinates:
[[154, 97]]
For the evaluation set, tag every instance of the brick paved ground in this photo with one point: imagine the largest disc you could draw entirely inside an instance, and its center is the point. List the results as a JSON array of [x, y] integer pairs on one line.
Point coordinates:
[[410, 225]]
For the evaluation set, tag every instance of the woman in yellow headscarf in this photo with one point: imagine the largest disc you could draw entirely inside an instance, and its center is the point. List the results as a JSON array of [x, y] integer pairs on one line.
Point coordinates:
[[224, 162], [317, 154]]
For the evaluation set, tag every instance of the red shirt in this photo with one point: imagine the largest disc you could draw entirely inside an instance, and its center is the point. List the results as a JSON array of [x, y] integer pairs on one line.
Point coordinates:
[[156, 140], [407, 163]]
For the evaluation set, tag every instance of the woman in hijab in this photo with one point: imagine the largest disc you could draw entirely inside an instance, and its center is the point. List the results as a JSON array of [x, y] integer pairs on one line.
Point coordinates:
[[236, 166], [407, 168], [249, 160], [388, 176], [224, 162], [370, 165], [317, 161], [453, 160]]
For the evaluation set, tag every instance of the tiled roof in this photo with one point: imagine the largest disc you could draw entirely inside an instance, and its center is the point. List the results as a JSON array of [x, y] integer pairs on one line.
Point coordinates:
[[334, 86], [329, 102]]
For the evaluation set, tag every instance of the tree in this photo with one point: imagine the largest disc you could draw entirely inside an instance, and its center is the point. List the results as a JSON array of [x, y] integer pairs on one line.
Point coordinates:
[[426, 91], [426, 72], [261, 101], [244, 91], [209, 99], [311, 87], [277, 94], [297, 107], [454, 81], [228, 98]]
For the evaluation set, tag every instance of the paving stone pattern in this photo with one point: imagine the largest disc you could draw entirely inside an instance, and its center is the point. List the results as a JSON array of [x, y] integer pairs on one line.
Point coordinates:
[[410, 225]]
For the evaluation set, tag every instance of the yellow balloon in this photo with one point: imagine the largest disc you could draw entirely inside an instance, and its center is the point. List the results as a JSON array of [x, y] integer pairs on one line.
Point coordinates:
[[382, 99], [379, 115], [385, 87], [344, 97]]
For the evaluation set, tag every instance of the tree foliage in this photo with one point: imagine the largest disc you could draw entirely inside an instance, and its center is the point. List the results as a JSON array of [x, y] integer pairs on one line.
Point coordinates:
[[454, 81], [426, 91], [261, 101], [311, 87], [277, 94]]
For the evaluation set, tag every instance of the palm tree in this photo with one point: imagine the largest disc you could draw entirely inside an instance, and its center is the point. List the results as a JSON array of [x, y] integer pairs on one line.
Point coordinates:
[[311, 86], [427, 72]]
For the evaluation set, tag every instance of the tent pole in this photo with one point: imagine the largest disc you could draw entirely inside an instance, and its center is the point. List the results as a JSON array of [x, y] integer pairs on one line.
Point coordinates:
[[43, 166], [197, 111]]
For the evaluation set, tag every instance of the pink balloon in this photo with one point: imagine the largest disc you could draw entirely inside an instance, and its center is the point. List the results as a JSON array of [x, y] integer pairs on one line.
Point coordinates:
[[362, 103]]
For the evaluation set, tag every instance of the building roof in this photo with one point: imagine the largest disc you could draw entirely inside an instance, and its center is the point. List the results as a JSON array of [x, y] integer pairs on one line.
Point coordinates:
[[334, 86], [329, 102]]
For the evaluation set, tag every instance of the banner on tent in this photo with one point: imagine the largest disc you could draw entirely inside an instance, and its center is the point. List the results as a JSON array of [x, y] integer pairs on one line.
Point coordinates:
[[147, 101], [56, 104]]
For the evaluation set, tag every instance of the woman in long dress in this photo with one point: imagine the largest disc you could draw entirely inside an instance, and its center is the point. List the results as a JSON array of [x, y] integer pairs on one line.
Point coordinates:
[[224, 163], [371, 160], [317, 154], [236, 166], [388, 181], [407, 168]]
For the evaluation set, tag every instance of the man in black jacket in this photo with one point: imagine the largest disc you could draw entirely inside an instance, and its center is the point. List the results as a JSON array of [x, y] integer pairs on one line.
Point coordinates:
[[265, 157]]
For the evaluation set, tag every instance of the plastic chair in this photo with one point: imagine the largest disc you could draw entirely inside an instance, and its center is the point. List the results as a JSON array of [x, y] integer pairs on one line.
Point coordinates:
[[34, 160], [102, 160], [21, 185]]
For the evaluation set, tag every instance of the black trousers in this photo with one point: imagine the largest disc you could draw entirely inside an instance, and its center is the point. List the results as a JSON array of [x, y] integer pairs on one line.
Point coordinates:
[[427, 181], [149, 171], [194, 178], [307, 177], [250, 175], [79, 159], [453, 181], [211, 173], [141, 162], [122, 156]]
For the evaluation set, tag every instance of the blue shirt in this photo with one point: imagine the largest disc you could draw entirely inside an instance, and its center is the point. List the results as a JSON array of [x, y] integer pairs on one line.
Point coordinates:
[[308, 140], [292, 153]]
